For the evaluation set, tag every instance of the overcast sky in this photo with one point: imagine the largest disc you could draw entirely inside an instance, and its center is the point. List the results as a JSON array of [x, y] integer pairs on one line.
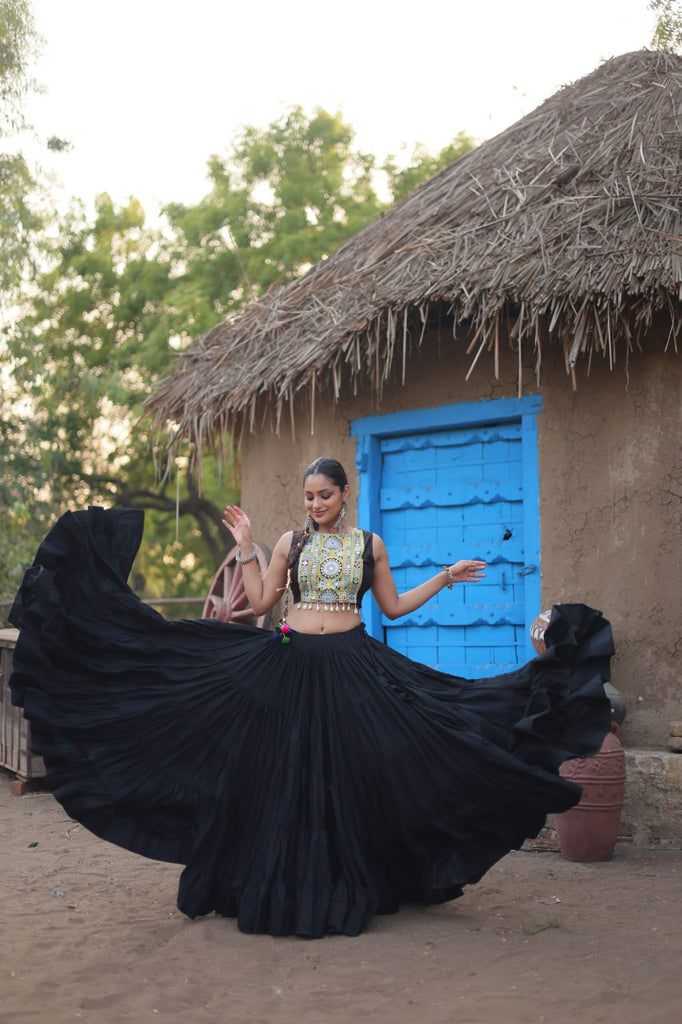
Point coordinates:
[[147, 90]]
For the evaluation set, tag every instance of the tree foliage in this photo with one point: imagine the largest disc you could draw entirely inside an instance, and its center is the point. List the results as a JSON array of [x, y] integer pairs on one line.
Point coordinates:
[[20, 488], [403, 180], [92, 337], [19, 44], [116, 300], [668, 28], [283, 198]]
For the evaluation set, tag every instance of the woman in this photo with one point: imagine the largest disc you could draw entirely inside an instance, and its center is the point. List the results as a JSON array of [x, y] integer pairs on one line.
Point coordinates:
[[311, 777]]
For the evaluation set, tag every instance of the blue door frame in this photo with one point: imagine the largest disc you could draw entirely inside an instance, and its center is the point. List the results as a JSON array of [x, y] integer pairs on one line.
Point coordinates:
[[371, 431]]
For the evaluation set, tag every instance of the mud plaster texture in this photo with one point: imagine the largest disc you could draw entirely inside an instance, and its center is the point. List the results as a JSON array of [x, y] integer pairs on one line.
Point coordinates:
[[610, 463], [611, 525], [91, 933]]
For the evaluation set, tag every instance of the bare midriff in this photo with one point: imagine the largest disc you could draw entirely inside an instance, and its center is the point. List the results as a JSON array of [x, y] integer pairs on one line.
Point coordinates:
[[309, 620]]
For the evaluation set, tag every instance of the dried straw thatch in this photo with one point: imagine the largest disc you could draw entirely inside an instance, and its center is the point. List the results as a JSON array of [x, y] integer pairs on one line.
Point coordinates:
[[565, 226]]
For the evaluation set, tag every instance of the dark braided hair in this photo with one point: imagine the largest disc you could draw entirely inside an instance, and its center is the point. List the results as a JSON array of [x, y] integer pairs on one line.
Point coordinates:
[[334, 471]]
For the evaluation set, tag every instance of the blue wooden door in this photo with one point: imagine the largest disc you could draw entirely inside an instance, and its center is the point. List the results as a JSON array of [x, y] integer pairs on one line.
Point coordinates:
[[464, 491]]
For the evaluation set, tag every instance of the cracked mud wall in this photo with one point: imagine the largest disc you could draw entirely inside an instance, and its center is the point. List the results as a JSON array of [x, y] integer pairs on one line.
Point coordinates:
[[610, 460]]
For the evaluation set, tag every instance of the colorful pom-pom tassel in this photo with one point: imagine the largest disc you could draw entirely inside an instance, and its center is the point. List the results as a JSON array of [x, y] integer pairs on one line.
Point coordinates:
[[282, 630]]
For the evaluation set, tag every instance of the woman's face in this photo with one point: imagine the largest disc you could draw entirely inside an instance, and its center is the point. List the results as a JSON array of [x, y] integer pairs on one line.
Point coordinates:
[[324, 500]]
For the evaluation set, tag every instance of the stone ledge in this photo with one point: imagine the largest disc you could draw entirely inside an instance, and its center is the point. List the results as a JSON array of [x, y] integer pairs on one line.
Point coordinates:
[[652, 813], [652, 809]]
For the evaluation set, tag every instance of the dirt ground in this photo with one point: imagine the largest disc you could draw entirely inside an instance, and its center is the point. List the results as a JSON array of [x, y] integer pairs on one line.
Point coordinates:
[[91, 933]]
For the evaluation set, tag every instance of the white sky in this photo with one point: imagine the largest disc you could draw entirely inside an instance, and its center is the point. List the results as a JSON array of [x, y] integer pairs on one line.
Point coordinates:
[[147, 90]]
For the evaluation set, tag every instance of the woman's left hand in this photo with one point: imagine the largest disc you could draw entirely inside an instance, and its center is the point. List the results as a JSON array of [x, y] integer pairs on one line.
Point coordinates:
[[467, 572]]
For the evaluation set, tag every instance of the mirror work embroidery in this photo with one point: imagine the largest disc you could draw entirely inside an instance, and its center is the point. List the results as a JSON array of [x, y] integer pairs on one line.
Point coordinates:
[[330, 571]]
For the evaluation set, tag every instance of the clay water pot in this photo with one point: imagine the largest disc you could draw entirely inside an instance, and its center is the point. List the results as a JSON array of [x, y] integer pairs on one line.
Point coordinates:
[[588, 832]]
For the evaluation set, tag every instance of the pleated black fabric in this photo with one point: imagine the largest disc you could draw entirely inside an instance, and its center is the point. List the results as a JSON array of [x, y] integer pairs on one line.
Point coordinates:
[[307, 786]]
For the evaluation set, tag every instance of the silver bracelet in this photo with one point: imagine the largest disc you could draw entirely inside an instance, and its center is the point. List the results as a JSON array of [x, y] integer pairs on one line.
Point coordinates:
[[450, 578], [243, 561]]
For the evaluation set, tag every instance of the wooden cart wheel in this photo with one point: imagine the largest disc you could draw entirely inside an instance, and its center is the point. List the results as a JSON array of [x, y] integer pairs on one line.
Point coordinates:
[[227, 600]]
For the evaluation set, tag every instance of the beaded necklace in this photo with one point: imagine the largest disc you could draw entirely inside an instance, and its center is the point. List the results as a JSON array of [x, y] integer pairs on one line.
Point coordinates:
[[330, 571]]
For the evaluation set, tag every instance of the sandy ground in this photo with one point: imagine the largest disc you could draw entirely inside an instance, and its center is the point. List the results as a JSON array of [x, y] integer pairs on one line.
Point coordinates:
[[91, 933]]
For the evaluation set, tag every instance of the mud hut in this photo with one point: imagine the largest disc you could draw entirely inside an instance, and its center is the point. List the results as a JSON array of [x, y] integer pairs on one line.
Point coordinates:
[[495, 359]]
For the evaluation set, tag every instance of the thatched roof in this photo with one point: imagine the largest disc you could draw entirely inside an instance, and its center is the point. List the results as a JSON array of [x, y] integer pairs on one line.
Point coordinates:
[[565, 227]]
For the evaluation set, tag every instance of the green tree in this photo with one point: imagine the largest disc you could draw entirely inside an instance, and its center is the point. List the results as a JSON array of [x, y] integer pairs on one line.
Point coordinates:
[[668, 28], [423, 165], [281, 200], [92, 337], [118, 300], [18, 225], [19, 44]]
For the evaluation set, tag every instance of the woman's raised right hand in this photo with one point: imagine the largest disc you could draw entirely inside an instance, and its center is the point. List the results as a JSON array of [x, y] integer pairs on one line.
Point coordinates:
[[239, 525]]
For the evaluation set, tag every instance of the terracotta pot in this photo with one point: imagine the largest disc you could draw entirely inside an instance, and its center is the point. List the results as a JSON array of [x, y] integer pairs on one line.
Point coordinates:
[[589, 831]]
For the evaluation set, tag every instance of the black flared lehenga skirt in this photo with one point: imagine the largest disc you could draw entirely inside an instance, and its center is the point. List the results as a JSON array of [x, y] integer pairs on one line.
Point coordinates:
[[306, 786]]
